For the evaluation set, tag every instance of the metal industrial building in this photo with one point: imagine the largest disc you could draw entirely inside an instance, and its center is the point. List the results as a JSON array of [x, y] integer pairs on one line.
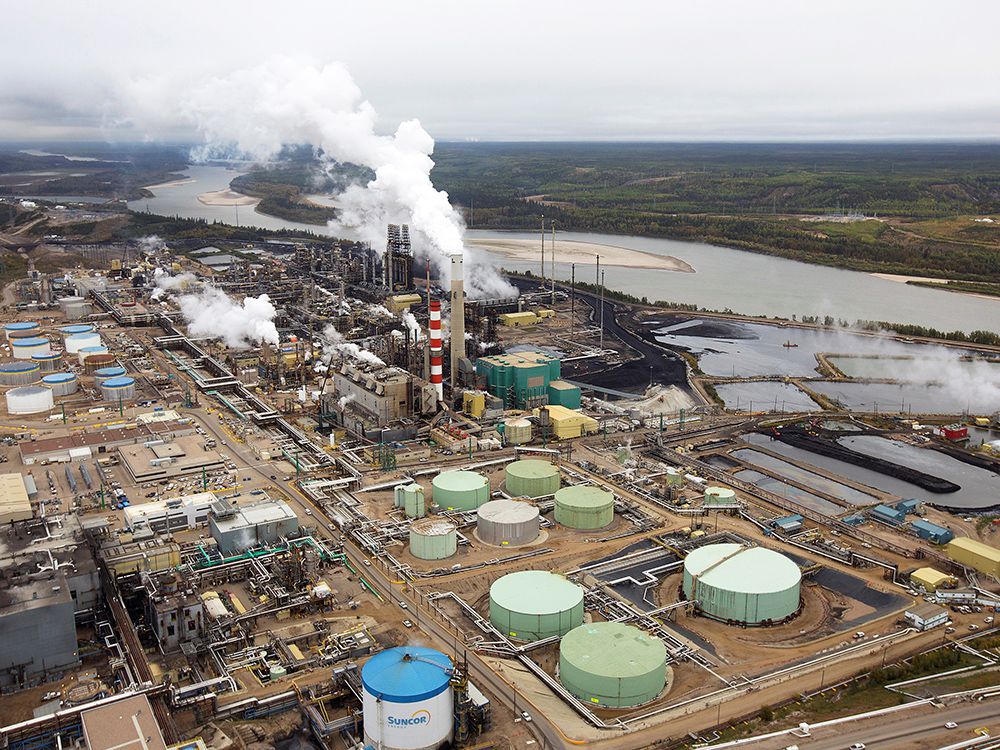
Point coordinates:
[[974, 554], [14, 502], [260, 524], [521, 379], [37, 630]]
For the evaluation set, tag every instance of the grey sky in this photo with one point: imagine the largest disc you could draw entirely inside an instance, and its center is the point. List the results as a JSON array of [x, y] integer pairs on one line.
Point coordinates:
[[530, 70]]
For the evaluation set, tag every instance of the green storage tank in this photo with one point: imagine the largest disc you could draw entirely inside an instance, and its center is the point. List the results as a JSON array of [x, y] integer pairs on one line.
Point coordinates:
[[613, 665], [742, 585], [410, 497], [433, 539], [564, 394], [460, 490], [585, 507], [535, 604], [532, 477]]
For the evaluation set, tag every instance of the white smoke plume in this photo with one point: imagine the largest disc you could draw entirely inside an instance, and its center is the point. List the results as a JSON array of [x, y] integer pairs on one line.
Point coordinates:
[[335, 346], [411, 324], [209, 311], [284, 101], [151, 243]]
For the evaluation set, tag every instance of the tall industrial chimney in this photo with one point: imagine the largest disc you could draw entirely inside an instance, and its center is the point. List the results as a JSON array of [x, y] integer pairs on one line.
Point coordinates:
[[435, 341], [457, 317]]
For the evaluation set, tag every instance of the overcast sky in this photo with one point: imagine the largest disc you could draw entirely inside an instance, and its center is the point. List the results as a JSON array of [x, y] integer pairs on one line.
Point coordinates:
[[530, 70]]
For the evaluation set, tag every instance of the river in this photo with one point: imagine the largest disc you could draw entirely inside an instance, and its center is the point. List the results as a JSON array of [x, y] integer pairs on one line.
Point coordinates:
[[743, 282]]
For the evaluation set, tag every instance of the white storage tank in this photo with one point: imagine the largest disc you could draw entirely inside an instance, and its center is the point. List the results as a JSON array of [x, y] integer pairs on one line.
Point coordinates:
[[19, 372], [118, 389], [51, 362], [24, 326], [61, 383], [26, 348], [29, 399], [78, 341], [91, 351], [407, 699], [507, 523], [74, 308]]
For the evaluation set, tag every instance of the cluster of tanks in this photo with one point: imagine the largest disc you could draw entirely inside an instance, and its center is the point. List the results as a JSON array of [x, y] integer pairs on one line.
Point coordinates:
[[36, 376]]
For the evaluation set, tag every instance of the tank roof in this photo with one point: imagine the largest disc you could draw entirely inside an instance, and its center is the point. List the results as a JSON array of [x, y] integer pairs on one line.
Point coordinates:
[[119, 382], [584, 496], [459, 480], [535, 592], [21, 365], [532, 468], [507, 511], [33, 341], [47, 355], [407, 674], [58, 377], [21, 325], [84, 335], [432, 527], [110, 371], [77, 328], [27, 390], [749, 570], [612, 649]]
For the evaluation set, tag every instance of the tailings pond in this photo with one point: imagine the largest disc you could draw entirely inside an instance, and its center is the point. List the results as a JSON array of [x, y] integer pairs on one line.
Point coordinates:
[[980, 489]]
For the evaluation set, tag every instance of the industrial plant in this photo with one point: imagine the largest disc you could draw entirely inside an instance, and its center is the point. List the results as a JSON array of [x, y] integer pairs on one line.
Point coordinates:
[[326, 489]]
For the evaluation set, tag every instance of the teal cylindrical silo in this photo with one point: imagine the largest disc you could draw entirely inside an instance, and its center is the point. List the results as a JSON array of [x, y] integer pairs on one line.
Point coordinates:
[[742, 585], [614, 665], [532, 477], [460, 490], [535, 604], [584, 507]]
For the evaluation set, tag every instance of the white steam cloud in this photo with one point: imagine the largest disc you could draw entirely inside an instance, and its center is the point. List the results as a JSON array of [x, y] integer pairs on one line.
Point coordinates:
[[335, 346], [209, 311], [283, 101]]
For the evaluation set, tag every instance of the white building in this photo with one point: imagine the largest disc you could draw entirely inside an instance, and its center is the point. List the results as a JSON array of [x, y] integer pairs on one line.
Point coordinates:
[[925, 616], [170, 515]]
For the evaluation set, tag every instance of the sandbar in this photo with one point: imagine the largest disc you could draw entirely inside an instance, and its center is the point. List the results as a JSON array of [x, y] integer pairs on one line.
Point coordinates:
[[572, 251], [227, 197]]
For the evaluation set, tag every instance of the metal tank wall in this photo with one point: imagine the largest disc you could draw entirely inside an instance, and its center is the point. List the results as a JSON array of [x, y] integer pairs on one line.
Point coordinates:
[[584, 507], [533, 604], [507, 523], [19, 373], [433, 539]]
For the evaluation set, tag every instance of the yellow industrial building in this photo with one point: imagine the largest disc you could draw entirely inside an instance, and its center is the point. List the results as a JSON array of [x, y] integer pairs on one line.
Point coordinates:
[[974, 554], [567, 423], [399, 302], [932, 579], [518, 319], [14, 502]]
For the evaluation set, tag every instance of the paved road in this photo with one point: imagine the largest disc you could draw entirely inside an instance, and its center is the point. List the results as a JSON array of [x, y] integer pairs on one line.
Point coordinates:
[[915, 728]]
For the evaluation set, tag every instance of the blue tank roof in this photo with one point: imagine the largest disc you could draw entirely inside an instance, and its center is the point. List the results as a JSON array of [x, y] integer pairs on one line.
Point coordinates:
[[59, 377], [407, 674], [120, 382], [23, 325], [23, 365], [97, 349], [33, 341], [77, 328], [110, 372], [46, 357]]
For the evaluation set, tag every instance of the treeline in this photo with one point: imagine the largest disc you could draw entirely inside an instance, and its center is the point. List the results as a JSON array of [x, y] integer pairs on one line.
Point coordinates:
[[982, 338]]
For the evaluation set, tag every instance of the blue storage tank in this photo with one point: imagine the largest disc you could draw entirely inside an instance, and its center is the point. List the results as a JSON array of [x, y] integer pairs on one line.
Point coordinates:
[[76, 328], [407, 698], [932, 532], [20, 327]]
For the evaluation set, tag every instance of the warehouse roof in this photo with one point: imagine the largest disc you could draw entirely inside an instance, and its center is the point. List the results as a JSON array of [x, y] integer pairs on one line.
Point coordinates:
[[930, 575], [975, 547], [268, 511], [14, 502], [127, 724], [926, 611], [527, 358]]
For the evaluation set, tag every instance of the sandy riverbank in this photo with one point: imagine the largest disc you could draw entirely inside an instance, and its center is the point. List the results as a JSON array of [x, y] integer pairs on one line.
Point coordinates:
[[227, 197], [571, 251], [172, 183], [903, 279]]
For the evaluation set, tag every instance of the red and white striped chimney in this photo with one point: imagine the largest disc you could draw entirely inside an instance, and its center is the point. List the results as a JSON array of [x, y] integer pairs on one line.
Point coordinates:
[[436, 348]]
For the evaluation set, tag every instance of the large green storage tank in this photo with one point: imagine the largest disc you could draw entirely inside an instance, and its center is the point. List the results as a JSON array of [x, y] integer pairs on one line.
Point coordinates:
[[433, 539], [535, 604], [532, 477], [584, 507], [460, 490], [742, 585], [614, 665]]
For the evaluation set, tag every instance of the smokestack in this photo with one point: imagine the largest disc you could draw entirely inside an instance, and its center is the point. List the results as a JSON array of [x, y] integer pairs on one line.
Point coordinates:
[[457, 317], [435, 340]]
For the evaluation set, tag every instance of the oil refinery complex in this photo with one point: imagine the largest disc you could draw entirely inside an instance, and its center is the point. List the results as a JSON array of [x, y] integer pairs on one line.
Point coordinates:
[[322, 487]]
